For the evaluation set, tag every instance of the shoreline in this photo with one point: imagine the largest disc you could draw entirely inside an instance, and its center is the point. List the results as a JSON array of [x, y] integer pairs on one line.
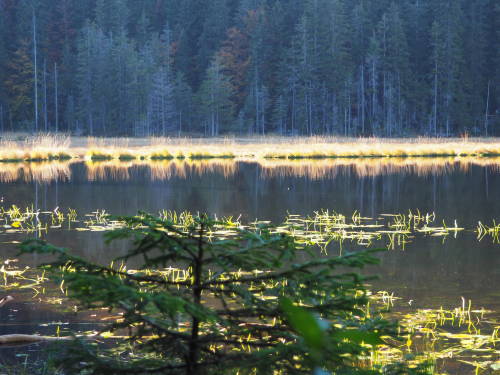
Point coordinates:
[[60, 147]]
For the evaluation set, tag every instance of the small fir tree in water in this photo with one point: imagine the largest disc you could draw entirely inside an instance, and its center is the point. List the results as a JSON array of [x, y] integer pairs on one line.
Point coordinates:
[[213, 297]]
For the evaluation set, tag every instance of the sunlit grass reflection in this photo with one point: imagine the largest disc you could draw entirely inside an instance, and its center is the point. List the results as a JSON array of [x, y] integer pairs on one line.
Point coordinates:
[[163, 170]]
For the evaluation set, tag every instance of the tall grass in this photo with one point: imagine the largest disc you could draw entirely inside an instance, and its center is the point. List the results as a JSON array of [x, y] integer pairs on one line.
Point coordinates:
[[42, 147], [51, 147], [286, 148]]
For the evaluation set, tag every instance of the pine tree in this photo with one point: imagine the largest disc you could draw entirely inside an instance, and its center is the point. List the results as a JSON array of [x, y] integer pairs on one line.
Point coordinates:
[[214, 30], [183, 97], [19, 83], [215, 97], [111, 15]]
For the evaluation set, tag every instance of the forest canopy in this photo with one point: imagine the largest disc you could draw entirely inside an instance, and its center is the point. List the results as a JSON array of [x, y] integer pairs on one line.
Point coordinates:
[[289, 67]]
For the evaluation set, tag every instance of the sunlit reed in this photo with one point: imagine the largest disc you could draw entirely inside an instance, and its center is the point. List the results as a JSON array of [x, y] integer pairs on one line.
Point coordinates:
[[49, 147], [38, 148]]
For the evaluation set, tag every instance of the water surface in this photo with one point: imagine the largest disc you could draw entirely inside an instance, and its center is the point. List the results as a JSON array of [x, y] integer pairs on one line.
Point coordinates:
[[429, 272]]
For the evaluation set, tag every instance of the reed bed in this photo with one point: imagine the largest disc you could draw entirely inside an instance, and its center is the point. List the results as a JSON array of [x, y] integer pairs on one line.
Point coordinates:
[[39, 148], [50, 147], [295, 148]]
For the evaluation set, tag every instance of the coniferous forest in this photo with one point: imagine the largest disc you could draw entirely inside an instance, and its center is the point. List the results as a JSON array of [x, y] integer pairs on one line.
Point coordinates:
[[214, 67]]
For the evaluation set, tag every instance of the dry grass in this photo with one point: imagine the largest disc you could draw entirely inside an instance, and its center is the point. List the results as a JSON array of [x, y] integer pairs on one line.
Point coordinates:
[[50, 147], [42, 147], [283, 148]]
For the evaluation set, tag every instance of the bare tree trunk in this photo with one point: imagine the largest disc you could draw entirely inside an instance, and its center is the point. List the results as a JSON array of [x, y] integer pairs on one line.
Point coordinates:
[[293, 109], [400, 113], [263, 115], [349, 119], [487, 111], [36, 72], [363, 98], [180, 123], [257, 114], [45, 116], [1, 118], [89, 89], [56, 96], [435, 95]]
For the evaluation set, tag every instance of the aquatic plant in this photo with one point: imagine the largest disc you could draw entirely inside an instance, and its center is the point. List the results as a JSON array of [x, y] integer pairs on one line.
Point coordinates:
[[492, 231], [238, 299]]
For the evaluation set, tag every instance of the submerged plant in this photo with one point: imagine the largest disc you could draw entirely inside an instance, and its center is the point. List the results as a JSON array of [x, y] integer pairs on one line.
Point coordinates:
[[214, 297]]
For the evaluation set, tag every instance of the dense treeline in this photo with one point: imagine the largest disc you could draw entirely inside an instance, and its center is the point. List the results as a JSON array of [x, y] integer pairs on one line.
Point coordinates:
[[163, 67]]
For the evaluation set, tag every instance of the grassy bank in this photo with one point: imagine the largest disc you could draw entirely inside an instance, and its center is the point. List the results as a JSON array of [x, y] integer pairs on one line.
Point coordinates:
[[52, 147]]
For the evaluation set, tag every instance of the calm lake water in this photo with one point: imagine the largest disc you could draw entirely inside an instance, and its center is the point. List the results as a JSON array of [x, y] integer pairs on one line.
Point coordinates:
[[430, 271]]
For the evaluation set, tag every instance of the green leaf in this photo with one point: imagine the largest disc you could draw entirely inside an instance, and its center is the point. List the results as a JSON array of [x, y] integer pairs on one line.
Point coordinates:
[[304, 323]]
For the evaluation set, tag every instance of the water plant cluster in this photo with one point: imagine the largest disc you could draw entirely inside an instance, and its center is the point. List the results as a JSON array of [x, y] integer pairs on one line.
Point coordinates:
[[434, 339], [322, 228], [245, 301]]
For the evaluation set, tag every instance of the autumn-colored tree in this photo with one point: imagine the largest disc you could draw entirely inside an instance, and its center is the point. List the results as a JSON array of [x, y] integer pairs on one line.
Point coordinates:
[[235, 59]]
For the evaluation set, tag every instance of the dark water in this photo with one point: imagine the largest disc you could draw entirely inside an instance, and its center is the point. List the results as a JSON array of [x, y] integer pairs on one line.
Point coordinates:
[[429, 271]]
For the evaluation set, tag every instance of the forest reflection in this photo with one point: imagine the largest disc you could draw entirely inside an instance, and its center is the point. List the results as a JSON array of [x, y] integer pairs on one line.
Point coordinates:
[[115, 170]]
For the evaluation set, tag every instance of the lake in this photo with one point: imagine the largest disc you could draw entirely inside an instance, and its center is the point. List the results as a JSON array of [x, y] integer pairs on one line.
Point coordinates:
[[427, 272]]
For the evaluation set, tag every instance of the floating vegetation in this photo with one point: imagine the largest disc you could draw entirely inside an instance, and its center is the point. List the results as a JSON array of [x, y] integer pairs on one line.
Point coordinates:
[[392, 230], [492, 232], [440, 338], [30, 220], [323, 228], [460, 335], [19, 280]]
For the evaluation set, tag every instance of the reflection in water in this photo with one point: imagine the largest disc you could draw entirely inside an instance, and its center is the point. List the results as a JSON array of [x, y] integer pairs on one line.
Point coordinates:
[[157, 170], [311, 169], [429, 271], [320, 169], [467, 192], [40, 172]]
